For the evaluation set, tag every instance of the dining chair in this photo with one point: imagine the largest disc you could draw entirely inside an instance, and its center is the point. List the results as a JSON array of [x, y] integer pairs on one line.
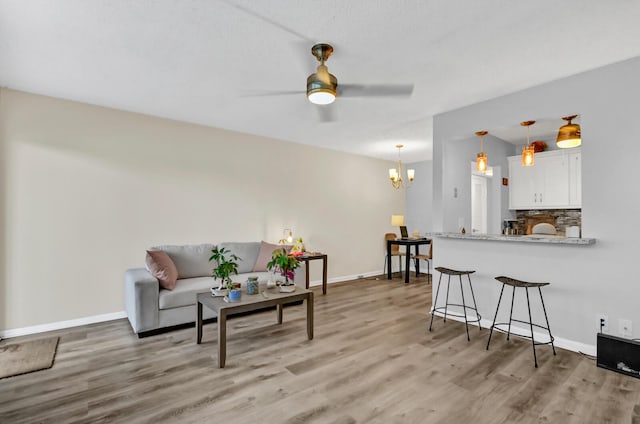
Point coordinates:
[[425, 257], [395, 251]]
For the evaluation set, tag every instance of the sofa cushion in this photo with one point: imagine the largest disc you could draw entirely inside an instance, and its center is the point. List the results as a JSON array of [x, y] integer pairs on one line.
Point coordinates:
[[162, 267], [184, 293], [266, 253], [190, 260], [247, 252]]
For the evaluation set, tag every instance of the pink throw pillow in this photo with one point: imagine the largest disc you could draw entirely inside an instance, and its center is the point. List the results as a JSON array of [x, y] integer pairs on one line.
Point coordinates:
[[265, 255], [162, 267]]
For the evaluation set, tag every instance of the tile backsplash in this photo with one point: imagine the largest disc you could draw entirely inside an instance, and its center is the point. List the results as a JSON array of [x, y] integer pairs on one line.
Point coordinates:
[[564, 217]]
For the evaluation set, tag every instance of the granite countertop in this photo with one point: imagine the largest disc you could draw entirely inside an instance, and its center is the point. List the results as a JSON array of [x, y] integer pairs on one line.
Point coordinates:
[[533, 238]]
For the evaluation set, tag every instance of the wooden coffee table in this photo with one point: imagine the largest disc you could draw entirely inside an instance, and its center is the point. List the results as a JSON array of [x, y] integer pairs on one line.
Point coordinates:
[[246, 304]]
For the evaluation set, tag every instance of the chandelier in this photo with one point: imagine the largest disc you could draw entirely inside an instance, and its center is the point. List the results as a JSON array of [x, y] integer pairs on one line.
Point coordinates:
[[395, 175]]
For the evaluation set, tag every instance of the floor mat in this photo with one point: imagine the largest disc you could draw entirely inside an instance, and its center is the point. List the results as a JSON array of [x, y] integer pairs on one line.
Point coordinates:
[[21, 358]]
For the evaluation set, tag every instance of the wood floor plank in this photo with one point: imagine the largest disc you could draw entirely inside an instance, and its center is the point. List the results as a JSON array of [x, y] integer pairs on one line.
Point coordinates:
[[372, 360]]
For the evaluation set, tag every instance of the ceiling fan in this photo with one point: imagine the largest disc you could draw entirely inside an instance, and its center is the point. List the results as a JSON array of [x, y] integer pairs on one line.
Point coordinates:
[[323, 88]]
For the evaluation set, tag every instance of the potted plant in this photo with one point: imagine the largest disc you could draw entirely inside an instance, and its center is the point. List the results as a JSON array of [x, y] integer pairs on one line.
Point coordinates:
[[298, 246], [227, 265], [284, 263]]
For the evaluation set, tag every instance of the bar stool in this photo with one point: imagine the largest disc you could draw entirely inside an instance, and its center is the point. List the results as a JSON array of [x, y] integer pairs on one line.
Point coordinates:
[[439, 309], [507, 281]]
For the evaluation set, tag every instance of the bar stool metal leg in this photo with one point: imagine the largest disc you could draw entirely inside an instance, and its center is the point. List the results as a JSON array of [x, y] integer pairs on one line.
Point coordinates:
[[495, 317], [473, 297], [513, 295], [464, 308], [446, 304], [547, 320], [533, 342], [435, 302]]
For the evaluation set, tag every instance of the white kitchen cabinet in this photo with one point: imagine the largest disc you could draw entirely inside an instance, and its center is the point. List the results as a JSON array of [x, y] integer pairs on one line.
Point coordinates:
[[575, 179], [523, 184], [549, 184]]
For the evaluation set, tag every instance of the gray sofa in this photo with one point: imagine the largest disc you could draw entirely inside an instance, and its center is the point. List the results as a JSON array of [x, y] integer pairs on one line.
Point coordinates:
[[151, 308]]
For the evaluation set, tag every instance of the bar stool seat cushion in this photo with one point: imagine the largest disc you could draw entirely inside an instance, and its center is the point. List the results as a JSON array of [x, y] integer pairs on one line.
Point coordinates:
[[518, 283], [449, 271]]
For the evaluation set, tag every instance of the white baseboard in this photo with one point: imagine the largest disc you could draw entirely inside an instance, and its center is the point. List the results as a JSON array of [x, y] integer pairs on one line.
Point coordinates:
[[315, 283], [560, 342], [15, 332]]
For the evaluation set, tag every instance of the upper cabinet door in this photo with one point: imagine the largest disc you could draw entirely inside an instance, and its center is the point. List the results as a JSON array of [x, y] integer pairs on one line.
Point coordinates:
[[554, 191], [575, 179], [523, 185], [553, 182]]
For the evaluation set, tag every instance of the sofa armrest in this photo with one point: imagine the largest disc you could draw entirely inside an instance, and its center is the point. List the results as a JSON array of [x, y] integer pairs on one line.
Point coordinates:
[[141, 291]]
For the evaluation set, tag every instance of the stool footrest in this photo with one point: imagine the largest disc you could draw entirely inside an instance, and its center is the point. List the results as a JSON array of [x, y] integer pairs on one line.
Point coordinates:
[[526, 336], [440, 310]]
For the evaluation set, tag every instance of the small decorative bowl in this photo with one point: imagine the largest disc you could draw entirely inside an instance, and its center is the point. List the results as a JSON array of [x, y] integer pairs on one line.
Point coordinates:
[[219, 292], [287, 289]]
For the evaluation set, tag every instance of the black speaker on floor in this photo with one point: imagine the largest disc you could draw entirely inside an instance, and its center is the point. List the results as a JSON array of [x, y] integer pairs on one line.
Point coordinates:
[[618, 354]]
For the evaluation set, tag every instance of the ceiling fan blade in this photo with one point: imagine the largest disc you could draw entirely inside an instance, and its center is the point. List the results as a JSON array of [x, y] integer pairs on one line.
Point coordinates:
[[375, 90], [267, 20], [326, 113], [273, 93]]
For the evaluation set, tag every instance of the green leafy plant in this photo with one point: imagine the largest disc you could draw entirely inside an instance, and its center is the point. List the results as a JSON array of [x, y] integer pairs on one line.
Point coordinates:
[[227, 265], [283, 262]]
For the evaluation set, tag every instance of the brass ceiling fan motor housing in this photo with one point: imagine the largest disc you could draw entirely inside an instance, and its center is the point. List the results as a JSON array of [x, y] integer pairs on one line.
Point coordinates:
[[321, 85]]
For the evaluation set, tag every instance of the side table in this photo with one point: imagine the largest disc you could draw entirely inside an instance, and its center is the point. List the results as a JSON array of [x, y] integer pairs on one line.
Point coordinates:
[[312, 257]]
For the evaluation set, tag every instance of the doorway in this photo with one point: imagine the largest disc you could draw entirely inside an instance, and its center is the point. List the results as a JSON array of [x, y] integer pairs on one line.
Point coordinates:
[[478, 205]]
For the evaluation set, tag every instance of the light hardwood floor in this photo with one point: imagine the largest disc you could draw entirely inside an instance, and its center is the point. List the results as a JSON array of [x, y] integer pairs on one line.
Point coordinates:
[[372, 360]]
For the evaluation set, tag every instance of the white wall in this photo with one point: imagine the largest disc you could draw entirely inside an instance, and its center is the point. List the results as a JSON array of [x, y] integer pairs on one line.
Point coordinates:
[[419, 213], [85, 190], [592, 279]]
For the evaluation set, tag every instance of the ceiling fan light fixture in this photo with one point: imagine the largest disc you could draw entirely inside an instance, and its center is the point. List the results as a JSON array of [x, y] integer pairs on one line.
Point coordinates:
[[321, 97], [569, 134], [319, 90]]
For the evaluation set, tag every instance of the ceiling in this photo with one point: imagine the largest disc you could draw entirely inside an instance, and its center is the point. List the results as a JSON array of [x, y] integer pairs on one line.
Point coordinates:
[[216, 62]]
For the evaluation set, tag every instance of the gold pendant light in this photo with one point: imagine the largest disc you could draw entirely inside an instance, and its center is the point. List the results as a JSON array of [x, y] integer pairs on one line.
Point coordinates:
[[528, 150], [481, 158], [569, 135]]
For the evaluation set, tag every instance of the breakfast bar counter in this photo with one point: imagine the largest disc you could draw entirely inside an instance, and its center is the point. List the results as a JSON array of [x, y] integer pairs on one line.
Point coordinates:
[[532, 238]]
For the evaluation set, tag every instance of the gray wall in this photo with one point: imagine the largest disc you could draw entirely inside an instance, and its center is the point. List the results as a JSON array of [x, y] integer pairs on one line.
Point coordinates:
[[419, 199], [457, 178], [585, 280]]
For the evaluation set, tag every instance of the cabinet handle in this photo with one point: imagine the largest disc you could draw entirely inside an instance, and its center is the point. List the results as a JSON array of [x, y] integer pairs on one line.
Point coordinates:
[[540, 197], [535, 197]]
